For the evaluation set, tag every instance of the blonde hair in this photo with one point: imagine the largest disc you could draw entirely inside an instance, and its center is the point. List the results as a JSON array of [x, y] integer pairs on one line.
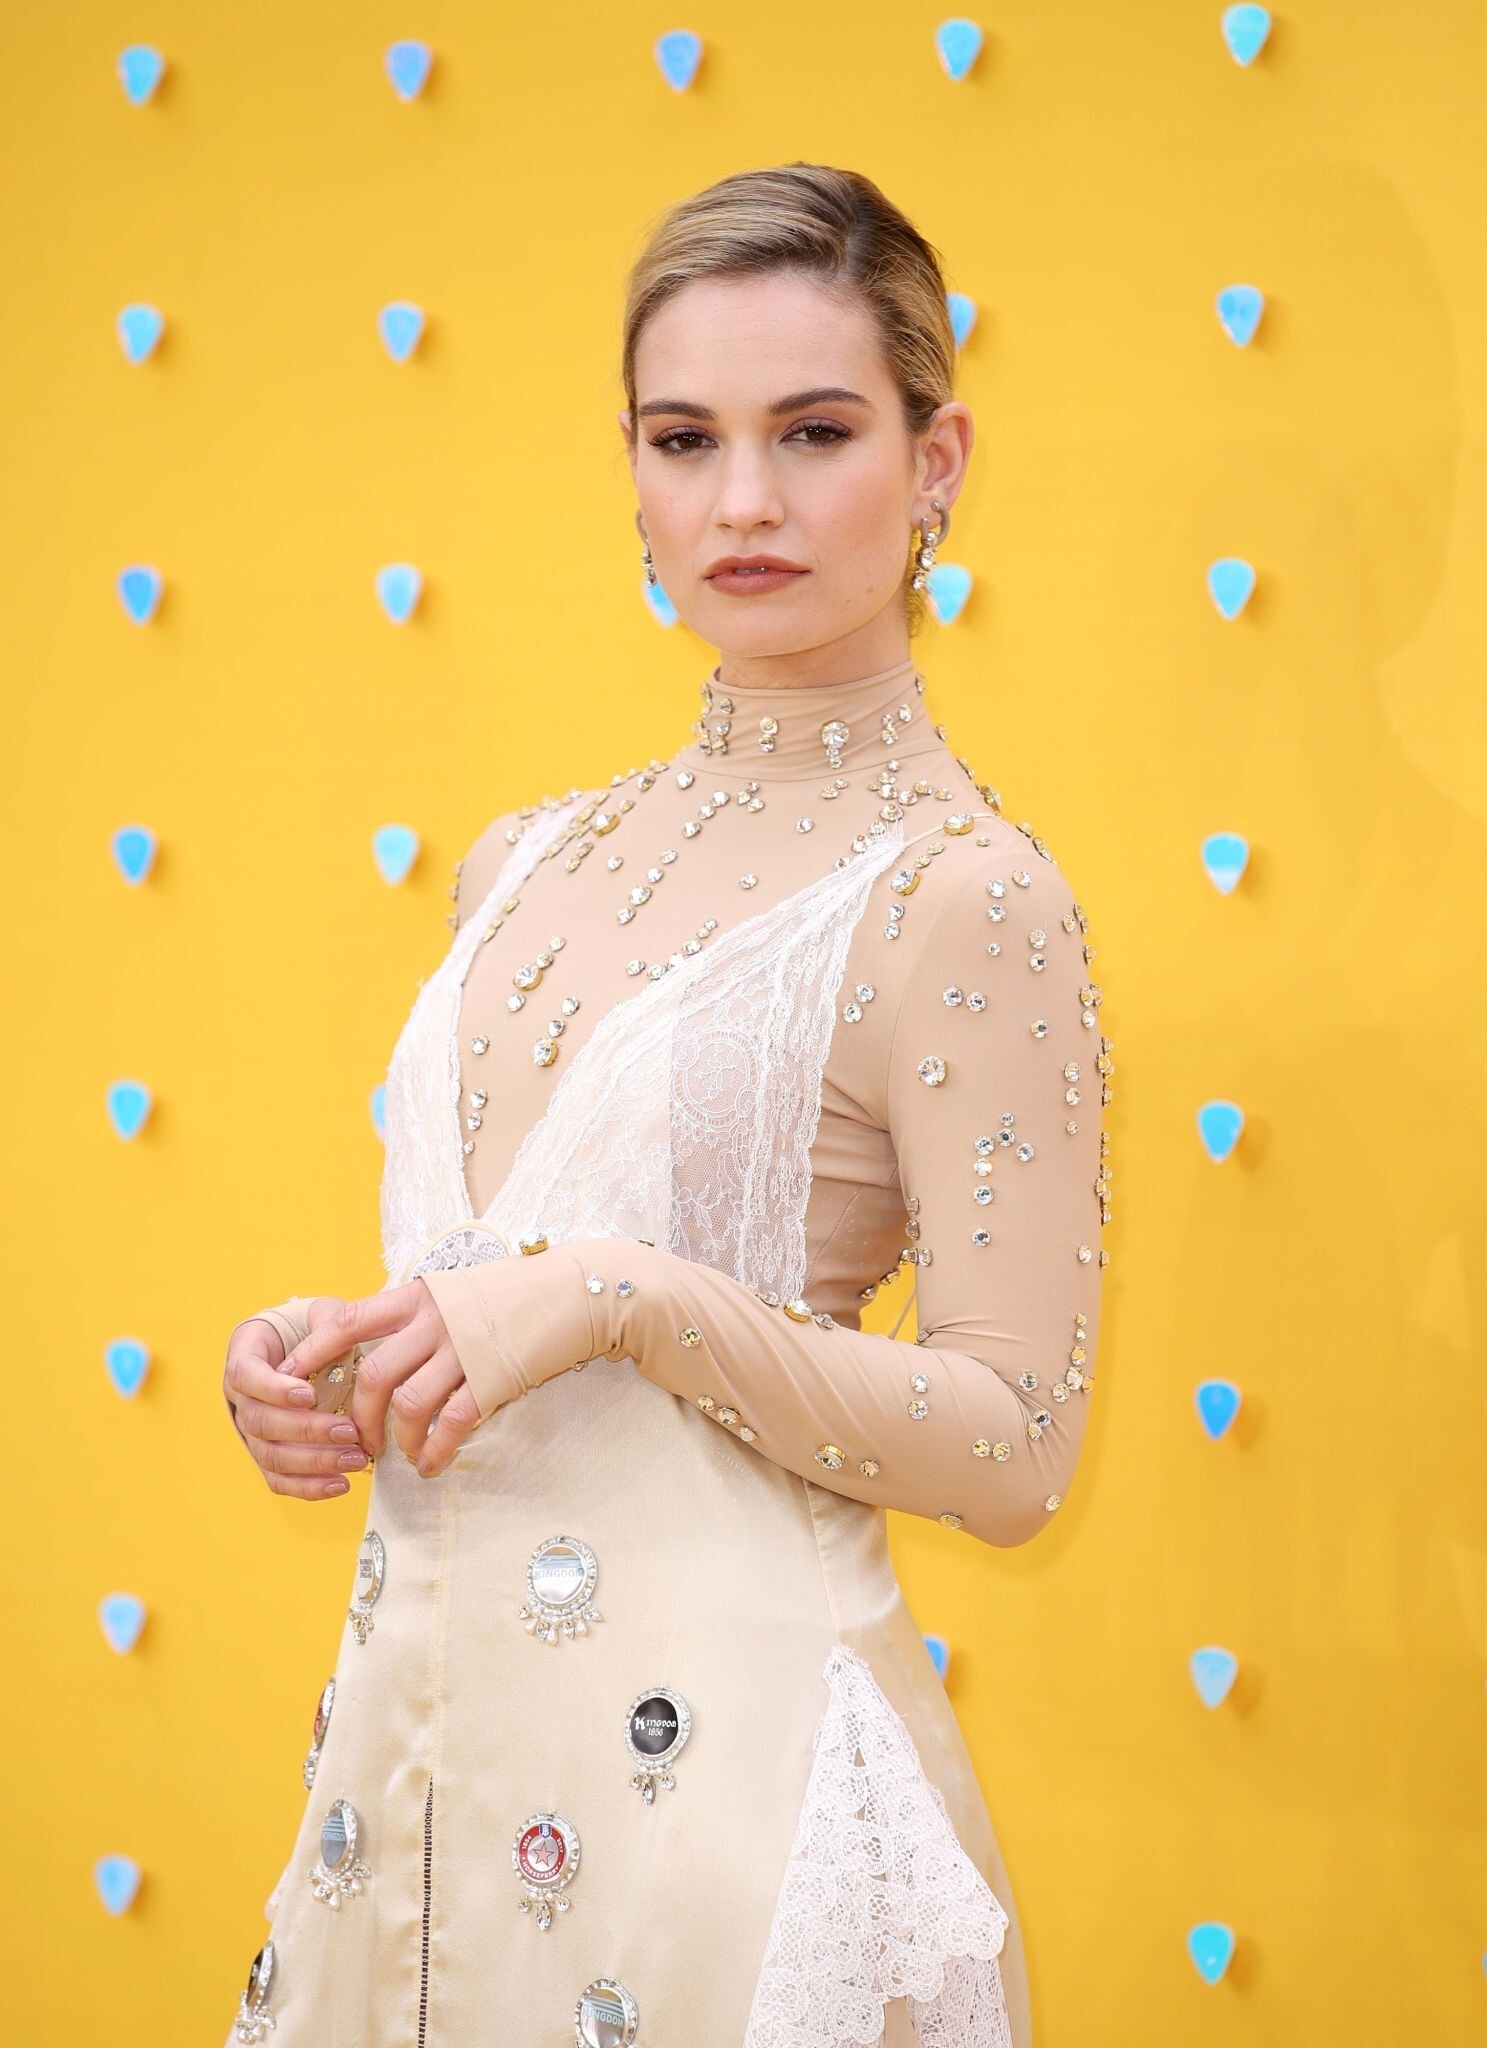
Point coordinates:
[[836, 227]]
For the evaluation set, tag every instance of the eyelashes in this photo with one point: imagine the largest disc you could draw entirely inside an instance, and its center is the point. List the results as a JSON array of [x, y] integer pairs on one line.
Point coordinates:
[[812, 434]]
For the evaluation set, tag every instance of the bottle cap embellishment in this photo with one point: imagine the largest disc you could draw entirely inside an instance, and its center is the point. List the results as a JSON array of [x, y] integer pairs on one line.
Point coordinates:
[[322, 1721], [253, 2015], [561, 1576], [657, 1724], [371, 1568], [544, 1856], [339, 1872], [606, 2016]]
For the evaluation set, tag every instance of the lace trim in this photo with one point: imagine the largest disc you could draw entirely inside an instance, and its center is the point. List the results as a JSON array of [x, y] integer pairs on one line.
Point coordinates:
[[879, 1900]]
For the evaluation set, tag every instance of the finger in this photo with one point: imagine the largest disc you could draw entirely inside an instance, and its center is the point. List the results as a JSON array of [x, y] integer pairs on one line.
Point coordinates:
[[321, 1426], [299, 1460], [248, 1375], [307, 1489], [384, 1370], [455, 1421], [353, 1322], [415, 1401]]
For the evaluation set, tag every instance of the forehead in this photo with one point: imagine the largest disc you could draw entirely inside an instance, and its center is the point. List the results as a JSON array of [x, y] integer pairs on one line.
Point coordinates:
[[750, 339]]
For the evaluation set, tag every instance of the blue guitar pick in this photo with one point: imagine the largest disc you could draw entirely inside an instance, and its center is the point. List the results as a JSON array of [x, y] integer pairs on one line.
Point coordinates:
[[407, 65], [962, 316], [1210, 1944], [128, 1106], [139, 328], [1246, 31], [959, 45], [133, 849], [1225, 856], [1218, 1404], [939, 1653], [401, 327], [123, 1616], [660, 604], [949, 587], [1239, 309], [678, 54], [117, 1879], [140, 71], [394, 848], [126, 1361], [378, 1106], [1230, 584], [398, 588], [1213, 1672], [1219, 1125], [139, 592]]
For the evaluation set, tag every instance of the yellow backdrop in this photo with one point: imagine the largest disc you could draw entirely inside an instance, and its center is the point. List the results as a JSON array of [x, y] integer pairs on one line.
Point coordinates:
[[1102, 174]]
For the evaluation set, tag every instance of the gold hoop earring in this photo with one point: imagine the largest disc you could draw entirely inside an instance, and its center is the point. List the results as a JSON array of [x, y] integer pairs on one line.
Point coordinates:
[[645, 551], [924, 554]]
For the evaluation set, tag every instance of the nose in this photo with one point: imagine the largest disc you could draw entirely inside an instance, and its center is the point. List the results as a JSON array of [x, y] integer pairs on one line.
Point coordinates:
[[748, 495]]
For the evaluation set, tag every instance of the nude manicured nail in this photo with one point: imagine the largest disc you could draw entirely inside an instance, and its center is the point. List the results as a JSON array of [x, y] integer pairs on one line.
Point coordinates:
[[351, 1461], [344, 1432]]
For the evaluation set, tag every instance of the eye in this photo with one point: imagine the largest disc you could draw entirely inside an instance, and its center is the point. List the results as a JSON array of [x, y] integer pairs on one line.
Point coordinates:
[[819, 433], [678, 440]]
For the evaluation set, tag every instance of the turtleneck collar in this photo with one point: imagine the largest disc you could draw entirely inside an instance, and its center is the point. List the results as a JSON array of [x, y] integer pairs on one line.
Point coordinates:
[[822, 729]]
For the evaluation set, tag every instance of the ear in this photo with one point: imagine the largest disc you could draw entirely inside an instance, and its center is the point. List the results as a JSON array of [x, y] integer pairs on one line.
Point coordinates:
[[629, 433], [944, 452]]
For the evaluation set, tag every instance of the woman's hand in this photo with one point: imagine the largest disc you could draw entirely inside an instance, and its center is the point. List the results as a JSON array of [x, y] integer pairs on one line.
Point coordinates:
[[300, 1449], [414, 1371]]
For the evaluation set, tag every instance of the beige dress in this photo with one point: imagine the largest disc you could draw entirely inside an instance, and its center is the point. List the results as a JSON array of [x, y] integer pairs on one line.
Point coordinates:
[[743, 1036]]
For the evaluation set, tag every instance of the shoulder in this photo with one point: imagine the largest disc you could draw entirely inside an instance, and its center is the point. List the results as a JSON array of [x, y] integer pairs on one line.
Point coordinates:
[[476, 872]]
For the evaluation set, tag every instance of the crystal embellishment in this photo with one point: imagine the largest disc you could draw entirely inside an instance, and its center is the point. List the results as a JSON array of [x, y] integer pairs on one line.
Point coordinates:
[[657, 1724], [545, 1855], [562, 1575], [371, 1569], [339, 1873]]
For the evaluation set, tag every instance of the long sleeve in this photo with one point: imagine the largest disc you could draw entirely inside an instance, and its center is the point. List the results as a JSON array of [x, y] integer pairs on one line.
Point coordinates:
[[994, 1111]]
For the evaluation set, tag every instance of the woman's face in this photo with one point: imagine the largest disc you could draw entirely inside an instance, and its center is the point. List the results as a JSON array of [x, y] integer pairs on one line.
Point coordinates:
[[777, 479]]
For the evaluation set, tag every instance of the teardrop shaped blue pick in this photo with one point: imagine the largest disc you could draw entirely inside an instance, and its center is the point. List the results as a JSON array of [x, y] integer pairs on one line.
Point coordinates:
[[378, 1106], [122, 1616], [660, 604], [134, 851], [407, 65], [962, 316], [394, 848], [401, 327], [139, 328], [126, 1362], [959, 45], [1225, 856], [117, 1879], [949, 587], [1230, 583], [140, 71], [1210, 1944], [939, 1653], [1213, 1672], [1239, 310], [1246, 31], [139, 592], [398, 588], [1218, 1404], [678, 53], [1219, 1125], [128, 1106]]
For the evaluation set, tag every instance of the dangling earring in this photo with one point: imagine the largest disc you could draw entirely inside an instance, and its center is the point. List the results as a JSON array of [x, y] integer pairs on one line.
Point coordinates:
[[924, 554], [645, 550]]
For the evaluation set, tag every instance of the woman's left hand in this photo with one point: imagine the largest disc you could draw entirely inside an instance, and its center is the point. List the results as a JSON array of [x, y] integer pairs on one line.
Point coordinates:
[[414, 1373]]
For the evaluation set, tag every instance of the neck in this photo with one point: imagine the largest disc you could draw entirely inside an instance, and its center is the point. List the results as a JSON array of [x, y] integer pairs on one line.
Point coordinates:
[[873, 649], [814, 729]]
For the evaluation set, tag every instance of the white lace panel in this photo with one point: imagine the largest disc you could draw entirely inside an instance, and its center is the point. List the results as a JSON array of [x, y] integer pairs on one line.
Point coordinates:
[[879, 1900], [688, 1115], [423, 1182]]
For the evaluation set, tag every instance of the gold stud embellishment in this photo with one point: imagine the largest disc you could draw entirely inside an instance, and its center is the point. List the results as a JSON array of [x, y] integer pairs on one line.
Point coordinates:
[[831, 1456]]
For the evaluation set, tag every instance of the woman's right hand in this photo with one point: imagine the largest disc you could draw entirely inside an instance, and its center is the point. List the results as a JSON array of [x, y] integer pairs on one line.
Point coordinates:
[[301, 1449]]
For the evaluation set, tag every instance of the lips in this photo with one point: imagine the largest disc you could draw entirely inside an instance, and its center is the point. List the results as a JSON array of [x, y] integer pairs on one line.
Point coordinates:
[[753, 575], [748, 565]]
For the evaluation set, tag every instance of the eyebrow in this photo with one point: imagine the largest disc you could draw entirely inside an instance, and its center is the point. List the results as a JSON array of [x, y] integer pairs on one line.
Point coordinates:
[[824, 394]]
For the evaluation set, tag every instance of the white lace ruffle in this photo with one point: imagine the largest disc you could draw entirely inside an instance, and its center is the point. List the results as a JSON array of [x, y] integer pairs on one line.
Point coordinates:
[[879, 1900]]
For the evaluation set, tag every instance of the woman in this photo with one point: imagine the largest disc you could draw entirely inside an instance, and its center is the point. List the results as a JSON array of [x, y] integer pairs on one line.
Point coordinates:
[[633, 1738]]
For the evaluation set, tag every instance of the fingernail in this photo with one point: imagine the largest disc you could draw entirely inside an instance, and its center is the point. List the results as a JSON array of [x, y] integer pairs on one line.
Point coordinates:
[[338, 1486], [351, 1461], [344, 1432]]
